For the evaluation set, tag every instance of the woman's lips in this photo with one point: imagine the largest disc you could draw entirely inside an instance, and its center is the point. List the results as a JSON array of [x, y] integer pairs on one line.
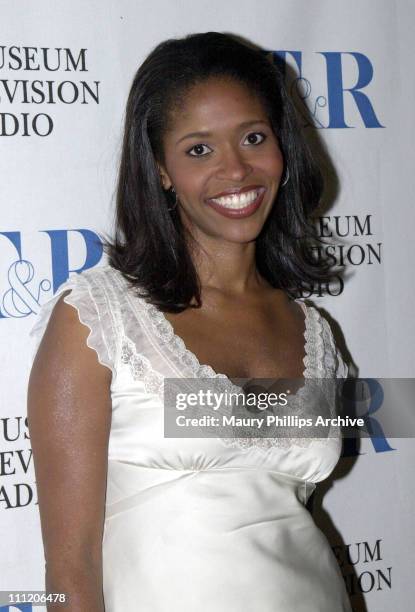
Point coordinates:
[[237, 205]]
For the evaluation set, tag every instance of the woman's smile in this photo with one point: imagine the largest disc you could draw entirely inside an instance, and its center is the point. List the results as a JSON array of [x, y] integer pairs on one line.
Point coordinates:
[[238, 203]]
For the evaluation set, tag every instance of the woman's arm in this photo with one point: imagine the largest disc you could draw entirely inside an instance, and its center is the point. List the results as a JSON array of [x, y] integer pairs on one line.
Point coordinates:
[[69, 414]]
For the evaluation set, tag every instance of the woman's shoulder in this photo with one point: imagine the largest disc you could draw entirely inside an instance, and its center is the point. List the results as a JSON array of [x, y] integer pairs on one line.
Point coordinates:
[[93, 294]]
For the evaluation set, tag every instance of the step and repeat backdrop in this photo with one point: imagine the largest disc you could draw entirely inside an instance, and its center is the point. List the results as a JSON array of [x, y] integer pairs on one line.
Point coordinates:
[[65, 73]]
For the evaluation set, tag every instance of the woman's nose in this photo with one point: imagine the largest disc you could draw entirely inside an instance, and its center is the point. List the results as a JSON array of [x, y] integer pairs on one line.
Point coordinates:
[[233, 165]]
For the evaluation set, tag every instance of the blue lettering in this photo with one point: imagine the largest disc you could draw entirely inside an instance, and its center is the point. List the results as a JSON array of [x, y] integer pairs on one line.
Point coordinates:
[[336, 90], [375, 396], [15, 239], [60, 254]]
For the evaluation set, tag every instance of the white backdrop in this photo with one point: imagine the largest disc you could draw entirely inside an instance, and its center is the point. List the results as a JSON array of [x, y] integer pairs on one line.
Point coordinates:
[[61, 115]]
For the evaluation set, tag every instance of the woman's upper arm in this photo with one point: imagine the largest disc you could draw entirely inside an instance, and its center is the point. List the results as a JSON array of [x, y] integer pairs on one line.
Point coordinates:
[[69, 415]]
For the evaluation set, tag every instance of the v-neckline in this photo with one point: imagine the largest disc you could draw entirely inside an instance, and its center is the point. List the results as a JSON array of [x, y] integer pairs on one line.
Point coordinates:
[[206, 370]]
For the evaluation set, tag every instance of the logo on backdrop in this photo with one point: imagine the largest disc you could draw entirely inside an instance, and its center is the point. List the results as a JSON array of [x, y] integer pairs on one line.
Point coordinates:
[[37, 78], [367, 394], [346, 102], [360, 249], [15, 464], [25, 291], [363, 567]]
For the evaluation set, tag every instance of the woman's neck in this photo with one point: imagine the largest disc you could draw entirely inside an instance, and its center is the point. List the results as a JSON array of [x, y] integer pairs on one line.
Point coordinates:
[[228, 267]]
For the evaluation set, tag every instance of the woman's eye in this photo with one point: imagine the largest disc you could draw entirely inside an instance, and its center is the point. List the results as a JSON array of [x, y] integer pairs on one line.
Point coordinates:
[[255, 138], [199, 150]]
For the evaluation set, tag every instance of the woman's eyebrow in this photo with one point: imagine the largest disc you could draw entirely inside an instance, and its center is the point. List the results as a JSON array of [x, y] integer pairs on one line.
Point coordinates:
[[194, 135], [206, 134]]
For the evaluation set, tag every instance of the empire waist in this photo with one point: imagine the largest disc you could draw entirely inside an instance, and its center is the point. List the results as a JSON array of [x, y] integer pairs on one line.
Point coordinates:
[[212, 492]]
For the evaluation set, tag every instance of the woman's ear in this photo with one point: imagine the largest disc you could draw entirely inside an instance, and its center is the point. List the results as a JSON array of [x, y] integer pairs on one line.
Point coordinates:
[[164, 177]]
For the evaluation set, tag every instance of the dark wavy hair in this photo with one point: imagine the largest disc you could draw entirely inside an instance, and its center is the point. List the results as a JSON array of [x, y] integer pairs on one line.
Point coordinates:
[[150, 245]]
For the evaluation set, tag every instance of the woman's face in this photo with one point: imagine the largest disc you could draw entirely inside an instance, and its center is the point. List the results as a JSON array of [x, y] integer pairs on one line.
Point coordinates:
[[223, 160]]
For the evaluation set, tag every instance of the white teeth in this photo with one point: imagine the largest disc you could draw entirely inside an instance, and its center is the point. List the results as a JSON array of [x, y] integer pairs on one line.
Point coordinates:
[[237, 201]]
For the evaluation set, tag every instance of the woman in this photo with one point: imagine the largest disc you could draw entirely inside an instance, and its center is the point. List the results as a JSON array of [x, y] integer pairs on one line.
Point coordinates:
[[215, 190]]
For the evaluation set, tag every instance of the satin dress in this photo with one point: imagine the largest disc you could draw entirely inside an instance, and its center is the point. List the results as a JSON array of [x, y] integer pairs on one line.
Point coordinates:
[[201, 524]]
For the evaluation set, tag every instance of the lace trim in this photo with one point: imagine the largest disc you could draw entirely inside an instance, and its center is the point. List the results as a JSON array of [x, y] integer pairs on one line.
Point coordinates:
[[141, 368], [314, 345], [164, 331]]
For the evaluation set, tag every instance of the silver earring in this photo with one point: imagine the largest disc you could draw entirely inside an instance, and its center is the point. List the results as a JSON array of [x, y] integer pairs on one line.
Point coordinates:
[[173, 193], [286, 178]]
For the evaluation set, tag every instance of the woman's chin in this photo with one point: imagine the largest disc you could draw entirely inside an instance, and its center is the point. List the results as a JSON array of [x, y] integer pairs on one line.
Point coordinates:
[[233, 230], [240, 235]]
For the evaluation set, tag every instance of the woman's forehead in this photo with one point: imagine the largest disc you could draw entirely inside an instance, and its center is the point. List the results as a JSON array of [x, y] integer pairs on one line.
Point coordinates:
[[217, 101]]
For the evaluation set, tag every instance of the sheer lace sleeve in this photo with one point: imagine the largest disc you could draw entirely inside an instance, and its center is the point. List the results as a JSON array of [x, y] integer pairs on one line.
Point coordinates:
[[90, 298], [322, 357]]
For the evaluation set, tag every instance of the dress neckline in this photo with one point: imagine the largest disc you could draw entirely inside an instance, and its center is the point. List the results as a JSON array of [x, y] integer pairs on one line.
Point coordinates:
[[166, 332]]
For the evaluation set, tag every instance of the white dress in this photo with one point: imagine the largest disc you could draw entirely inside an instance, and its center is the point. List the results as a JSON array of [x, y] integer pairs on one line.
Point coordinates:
[[200, 524]]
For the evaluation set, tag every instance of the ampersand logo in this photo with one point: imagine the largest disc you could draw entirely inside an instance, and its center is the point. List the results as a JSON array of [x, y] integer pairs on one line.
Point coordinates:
[[24, 289]]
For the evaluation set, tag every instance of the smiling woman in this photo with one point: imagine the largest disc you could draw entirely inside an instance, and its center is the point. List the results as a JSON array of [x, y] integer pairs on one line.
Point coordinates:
[[210, 113], [216, 187]]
